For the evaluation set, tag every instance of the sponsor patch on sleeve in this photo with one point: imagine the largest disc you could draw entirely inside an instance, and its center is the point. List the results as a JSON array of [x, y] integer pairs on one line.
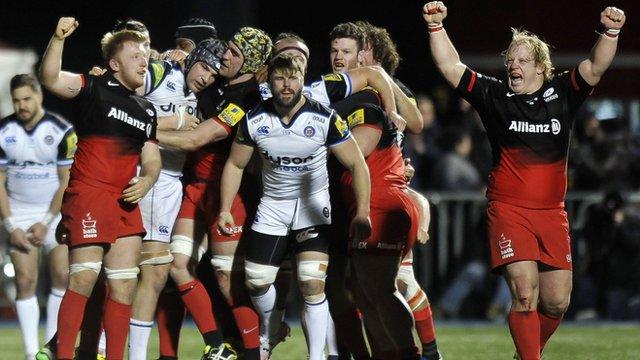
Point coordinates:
[[356, 118], [332, 77], [231, 114], [72, 140], [341, 125]]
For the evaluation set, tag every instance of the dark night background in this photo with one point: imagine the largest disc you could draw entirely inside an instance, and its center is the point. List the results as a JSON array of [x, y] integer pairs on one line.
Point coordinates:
[[478, 28]]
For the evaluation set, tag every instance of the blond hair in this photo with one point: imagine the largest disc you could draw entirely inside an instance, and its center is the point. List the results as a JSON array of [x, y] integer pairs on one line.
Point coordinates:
[[539, 49], [112, 42]]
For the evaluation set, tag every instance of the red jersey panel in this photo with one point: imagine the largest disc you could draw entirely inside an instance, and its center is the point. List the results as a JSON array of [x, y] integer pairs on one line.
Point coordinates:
[[112, 124], [529, 136]]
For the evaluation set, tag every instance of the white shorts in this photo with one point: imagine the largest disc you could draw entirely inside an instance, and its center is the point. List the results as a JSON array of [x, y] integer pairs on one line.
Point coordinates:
[[26, 214], [278, 217], [160, 208]]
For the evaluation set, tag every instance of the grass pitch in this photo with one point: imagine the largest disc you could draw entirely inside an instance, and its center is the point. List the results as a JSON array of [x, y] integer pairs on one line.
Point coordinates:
[[456, 341]]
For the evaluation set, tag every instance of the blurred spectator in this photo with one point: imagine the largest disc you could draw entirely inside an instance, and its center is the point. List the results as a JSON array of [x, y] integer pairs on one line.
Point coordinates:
[[453, 170], [422, 148], [480, 154], [600, 158]]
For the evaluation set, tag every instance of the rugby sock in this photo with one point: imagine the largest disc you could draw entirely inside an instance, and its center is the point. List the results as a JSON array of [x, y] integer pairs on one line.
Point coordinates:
[[170, 315], [28, 316], [525, 331], [316, 316], [275, 321], [548, 326], [248, 325], [139, 332], [426, 332], [53, 305], [91, 334], [264, 305], [116, 327], [69, 320], [332, 342], [197, 301]]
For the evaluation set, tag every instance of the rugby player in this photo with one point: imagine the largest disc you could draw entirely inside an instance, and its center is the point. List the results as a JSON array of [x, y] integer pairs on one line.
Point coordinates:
[[528, 119]]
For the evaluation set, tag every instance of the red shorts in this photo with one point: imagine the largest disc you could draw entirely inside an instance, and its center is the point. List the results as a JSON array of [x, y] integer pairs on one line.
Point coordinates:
[[201, 202], [394, 223], [518, 234], [93, 215]]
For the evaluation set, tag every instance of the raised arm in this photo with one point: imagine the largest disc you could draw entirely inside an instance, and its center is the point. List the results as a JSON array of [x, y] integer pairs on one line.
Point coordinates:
[[604, 50], [444, 54], [61, 83], [230, 183], [348, 153]]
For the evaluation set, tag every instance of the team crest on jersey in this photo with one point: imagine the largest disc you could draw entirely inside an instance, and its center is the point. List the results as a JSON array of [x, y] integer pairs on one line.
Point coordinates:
[[48, 140], [10, 140], [231, 114], [341, 125], [263, 130], [171, 86], [549, 95], [356, 118], [309, 131]]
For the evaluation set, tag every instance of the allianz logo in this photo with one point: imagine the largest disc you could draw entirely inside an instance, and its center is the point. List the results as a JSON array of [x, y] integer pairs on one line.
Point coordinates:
[[125, 118], [526, 127]]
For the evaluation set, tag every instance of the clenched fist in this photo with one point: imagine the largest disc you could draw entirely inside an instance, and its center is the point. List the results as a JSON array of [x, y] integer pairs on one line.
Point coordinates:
[[66, 26], [612, 18], [434, 12]]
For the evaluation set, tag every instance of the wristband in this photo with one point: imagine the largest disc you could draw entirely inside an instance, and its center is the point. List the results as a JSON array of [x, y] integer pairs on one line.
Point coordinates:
[[435, 27], [9, 224], [180, 113], [47, 219], [612, 33]]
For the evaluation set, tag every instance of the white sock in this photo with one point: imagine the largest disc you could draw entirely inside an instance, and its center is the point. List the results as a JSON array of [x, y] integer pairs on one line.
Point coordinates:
[[53, 305], [332, 342], [316, 316], [29, 315], [264, 305], [102, 344], [139, 332]]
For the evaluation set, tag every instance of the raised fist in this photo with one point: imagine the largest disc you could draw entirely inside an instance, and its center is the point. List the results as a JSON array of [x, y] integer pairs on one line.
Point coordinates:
[[612, 18], [434, 12], [66, 26]]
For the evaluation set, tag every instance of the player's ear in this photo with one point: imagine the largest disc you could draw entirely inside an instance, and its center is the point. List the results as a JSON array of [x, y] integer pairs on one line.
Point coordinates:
[[540, 69], [114, 65], [361, 57]]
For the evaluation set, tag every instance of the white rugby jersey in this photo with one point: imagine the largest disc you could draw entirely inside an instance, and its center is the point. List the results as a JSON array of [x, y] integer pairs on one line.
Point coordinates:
[[31, 158], [166, 89], [294, 156], [329, 89]]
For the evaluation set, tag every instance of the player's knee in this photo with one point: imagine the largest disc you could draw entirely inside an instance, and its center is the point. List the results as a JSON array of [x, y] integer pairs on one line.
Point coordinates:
[[181, 244], [524, 294], [59, 278], [409, 287], [555, 307], [83, 276], [222, 263], [26, 284], [311, 276], [154, 277], [259, 276]]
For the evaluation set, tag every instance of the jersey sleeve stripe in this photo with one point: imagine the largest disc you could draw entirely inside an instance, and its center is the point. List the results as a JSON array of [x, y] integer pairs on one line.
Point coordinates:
[[223, 124], [472, 81], [347, 81]]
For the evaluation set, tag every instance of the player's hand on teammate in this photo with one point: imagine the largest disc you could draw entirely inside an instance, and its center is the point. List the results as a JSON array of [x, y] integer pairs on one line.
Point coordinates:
[[423, 235], [66, 26], [174, 55], [97, 71], [36, 233], [18, 238], [612, 18], [190, 122], [360, 228], [138, 187], [434, 12], [397, 120], [409, 170], [226, 223]]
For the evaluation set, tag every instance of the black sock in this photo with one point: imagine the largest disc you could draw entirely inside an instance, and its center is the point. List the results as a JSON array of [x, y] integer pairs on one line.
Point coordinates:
[[162, 357], [213, 338], [86, 355], [430, 351], [251, 354]]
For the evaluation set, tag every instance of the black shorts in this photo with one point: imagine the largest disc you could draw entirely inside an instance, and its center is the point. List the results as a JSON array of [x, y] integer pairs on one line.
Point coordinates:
[[273, 249]]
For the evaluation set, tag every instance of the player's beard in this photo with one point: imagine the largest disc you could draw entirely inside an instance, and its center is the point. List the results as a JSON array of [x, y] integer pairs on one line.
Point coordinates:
[[280, 102]]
